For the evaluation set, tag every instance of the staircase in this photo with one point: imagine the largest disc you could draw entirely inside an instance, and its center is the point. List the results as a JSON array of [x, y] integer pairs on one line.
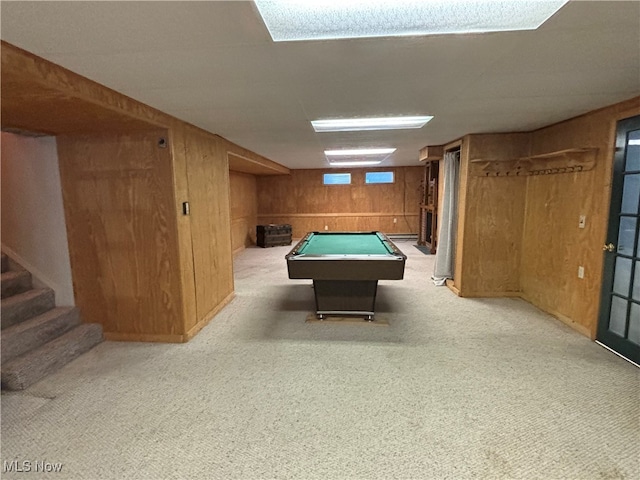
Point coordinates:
[[37, 337]]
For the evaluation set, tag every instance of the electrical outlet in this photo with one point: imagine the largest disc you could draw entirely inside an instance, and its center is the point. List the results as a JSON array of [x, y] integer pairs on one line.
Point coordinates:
[[395, 220], [580, 271], [582, 221], [326, 227]]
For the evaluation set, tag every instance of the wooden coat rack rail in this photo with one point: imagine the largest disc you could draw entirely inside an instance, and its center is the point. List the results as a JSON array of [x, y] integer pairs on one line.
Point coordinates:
[[562, 161]]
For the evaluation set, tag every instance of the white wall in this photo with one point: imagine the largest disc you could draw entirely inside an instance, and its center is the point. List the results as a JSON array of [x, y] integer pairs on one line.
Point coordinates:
[[33, 224]]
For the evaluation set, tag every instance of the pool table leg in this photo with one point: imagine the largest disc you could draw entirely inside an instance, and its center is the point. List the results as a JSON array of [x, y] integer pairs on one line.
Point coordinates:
[[345, 297]]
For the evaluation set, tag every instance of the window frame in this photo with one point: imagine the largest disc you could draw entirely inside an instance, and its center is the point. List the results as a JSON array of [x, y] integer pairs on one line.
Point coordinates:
[[325, 184], [393, 177]]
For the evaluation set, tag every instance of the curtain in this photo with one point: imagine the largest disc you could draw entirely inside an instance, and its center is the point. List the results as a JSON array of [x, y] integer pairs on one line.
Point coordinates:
[[448, 221]]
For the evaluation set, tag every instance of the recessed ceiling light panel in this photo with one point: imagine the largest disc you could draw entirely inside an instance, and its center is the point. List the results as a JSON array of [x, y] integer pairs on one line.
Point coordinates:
[[362, 152], [348, 157], [355, 163], [290, 20], [371, 123]]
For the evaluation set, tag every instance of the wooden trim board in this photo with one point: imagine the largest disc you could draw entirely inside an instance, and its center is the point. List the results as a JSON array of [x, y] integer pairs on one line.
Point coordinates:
[[324, 215], [204, 322]]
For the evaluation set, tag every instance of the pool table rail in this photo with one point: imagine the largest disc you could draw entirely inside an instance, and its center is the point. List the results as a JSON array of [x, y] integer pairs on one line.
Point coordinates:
[[373, 266]]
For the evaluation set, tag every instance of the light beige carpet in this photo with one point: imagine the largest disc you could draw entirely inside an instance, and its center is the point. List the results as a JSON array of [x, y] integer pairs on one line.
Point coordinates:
[[452, 388]]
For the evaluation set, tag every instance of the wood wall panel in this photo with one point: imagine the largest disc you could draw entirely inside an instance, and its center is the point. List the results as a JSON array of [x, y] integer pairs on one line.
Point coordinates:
[[302, 224], [553, 245], [302, 200], [491, 220], [463, 199], [39, 96], [519, 235], [493, 236], [208, 178], [121, 230], [244, 210], [254, 164], [185, 267]]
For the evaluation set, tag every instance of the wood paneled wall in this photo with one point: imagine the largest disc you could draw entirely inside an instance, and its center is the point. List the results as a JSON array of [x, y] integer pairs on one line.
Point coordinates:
[[141, 268], [553, 245], [207, 171], [244, 210], [519, 235], [120, 224], [490, 219], [302, 200]]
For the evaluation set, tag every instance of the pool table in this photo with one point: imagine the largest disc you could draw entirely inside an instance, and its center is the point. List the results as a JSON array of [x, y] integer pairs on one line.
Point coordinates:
[[345, 268]]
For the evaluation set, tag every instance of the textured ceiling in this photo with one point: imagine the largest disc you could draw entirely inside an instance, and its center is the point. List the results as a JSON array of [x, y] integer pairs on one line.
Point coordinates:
[[214, 64]]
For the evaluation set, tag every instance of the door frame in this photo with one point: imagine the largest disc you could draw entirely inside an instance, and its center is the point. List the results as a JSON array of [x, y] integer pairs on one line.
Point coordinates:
[[610, 340]]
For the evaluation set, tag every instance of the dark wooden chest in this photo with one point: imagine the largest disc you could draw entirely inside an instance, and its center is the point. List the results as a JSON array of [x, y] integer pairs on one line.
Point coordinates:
[[273, 235]]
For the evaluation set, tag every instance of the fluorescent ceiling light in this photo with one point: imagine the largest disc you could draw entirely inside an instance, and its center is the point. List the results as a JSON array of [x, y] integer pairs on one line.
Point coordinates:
[[359, 152], [290, 20], [634, 142], [372, 123], [348, 157], [355, 163]]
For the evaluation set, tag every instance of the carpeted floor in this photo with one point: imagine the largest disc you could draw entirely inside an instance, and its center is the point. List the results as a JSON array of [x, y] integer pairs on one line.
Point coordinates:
[[452, 388]]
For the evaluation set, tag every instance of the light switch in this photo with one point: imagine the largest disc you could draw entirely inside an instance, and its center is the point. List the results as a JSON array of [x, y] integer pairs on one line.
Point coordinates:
[[582, 221]]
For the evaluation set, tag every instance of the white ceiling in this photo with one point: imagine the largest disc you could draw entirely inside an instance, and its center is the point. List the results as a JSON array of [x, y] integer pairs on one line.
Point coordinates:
[[214, 64]]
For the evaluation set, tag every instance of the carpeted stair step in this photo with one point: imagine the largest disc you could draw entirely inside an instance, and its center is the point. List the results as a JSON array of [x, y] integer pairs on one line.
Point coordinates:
[[23, 306], [27, 369], [15, 281], [4, 263], [35, 332]]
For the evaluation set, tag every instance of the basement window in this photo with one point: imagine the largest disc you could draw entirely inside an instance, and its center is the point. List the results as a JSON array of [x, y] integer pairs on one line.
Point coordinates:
[[337, 179], [378, 177]]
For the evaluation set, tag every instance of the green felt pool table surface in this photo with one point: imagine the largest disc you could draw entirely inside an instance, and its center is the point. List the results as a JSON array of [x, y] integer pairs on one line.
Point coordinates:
[[334, 243]]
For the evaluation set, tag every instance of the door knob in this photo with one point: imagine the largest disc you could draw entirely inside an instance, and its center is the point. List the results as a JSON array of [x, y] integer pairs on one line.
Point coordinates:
[[609, 247]]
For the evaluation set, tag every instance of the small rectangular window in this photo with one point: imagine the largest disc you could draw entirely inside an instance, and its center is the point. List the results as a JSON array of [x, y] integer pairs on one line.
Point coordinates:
[[337, 178], [378, 177]]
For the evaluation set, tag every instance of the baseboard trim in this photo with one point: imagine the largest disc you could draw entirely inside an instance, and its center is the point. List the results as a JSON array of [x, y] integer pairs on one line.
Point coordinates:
[[143, 337], [451, 286], [168, 338], [238, 250], [490, 294], [563, 318], [402, 236], [208, 317], [337, 215]]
